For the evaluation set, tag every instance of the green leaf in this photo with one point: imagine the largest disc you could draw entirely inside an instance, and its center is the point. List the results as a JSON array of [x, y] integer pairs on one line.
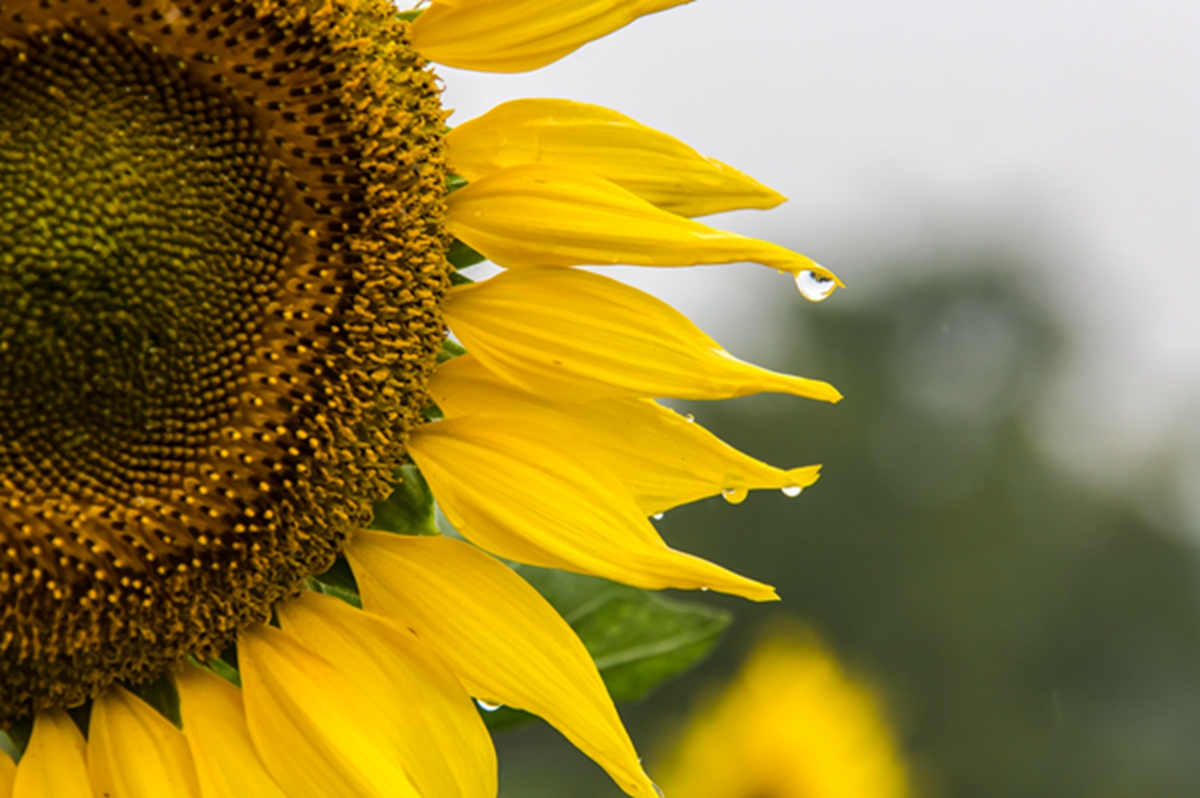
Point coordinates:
[[409, 510], [461, 256], [637, 638]]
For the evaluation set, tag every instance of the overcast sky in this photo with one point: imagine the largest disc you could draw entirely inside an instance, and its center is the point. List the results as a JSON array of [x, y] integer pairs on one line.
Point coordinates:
[[1069, 128]]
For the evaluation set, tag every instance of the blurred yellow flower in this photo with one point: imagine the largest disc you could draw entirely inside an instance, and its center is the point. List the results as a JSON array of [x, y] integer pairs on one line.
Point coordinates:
[[792, 725]]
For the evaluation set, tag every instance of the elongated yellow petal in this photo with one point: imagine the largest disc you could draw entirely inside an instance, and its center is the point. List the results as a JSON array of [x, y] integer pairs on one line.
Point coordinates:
[[574, 335], [662, 458], [55, 763], [520, 35], [8, 771], [518, 496], [448, 750], [656, 167], [134, 752], [318, 734], [227, 765], [542, 215], [502, 639]]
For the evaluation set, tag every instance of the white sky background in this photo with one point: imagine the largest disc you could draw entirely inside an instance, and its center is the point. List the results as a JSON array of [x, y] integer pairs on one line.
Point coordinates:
[[1070, 128]]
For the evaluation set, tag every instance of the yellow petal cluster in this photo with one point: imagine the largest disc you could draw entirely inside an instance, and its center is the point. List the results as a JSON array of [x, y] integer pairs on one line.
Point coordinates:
[[538, 214], [566, 334], [520, 35], [551, 449], [658, 168]]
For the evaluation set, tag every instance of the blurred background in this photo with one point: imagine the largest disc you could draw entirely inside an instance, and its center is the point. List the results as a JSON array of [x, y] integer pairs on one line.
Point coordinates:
[[1004, 539]]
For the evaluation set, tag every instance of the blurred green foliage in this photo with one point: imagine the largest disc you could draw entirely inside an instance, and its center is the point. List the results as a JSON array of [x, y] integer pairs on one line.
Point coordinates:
[[1031, 636]]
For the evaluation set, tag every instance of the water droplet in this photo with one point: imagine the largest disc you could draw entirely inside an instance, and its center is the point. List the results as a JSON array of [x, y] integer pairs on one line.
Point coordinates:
[[486, 707], [792, 491], [813, 286], [690, 418], [735, 495], [703, 590], [658, 790], [658, 516]]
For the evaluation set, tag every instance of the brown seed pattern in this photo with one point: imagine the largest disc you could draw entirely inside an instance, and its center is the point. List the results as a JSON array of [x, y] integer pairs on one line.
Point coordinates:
[[221, 258]]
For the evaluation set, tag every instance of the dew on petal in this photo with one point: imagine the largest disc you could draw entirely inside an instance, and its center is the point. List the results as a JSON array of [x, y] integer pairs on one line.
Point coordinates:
[[735, 495], [486, 707], [814, 287], [792, 491]]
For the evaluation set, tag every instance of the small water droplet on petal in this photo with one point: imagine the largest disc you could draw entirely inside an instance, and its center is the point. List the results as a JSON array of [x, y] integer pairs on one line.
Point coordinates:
[[658, 516], [814, 287], [486, 707], [658, 790], [690, 418], [792, 491], [735, 495]]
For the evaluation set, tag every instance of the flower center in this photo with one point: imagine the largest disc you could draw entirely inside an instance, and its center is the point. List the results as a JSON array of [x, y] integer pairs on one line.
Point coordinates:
[[220, 264]]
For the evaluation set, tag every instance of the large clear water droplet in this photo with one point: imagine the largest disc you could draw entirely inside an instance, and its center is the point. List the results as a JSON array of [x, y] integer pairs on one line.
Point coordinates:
[[814, 287], [735, 495], [792, 491], [486, 707], [657, 516]]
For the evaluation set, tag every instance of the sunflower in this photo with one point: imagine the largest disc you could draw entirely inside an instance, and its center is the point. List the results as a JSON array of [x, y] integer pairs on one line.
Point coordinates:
[[791, 725], [224, 296]]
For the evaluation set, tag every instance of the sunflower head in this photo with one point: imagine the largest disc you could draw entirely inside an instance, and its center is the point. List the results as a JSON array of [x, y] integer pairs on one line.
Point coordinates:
[[221, 262]]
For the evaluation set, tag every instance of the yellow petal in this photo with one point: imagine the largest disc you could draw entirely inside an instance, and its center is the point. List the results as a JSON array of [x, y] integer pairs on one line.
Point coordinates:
[[134, 752], [447, 749], [502, 639], [656, 167], [662, 458], [8, 770], [54, 764], [520, 497], [574, 335], [541, 215], [318, 734], [227, 766], [520, 35]]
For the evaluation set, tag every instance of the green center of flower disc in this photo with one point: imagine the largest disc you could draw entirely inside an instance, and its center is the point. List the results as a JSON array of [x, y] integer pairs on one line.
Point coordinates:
[[221, 257]]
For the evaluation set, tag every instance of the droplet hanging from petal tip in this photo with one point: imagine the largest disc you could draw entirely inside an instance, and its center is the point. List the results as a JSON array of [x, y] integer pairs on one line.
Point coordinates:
[[815, 287]]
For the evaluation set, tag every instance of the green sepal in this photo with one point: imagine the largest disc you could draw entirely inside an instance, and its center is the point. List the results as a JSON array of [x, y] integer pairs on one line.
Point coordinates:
[[350, 597], [637, 638], [161, 694], [338, 582], [409, 16], [410, 508], [450, 350], [225, 671], [18, 735], [462, 256], [9, 746], [455, 182]]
